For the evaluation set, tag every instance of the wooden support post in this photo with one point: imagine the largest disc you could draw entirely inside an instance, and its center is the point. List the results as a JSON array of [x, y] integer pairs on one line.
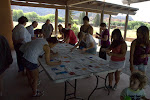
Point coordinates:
[[109, 23], [101, 20], [126, 25], [56, 20], [86, 13], [66, 16], [6, 22]]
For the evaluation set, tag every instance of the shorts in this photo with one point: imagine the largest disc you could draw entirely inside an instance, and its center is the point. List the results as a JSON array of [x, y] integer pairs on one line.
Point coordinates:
[[28, 65], [140, 67], [91, 51], [119, 65]]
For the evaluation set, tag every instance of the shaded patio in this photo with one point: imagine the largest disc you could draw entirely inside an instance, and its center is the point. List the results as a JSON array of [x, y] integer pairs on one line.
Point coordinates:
[[16, 87]]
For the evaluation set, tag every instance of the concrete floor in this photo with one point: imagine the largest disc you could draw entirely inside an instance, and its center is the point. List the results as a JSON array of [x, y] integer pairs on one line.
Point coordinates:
[[16, 87]]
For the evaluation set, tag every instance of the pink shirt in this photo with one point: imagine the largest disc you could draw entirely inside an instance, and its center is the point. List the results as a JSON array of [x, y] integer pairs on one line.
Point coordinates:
[[72, 37], [117, 50]]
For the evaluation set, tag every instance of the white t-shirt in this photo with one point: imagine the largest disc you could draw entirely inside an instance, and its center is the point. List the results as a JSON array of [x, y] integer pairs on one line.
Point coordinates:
[[89, 40], [30, 30], [32, 50], [20, 32], [134, 95]]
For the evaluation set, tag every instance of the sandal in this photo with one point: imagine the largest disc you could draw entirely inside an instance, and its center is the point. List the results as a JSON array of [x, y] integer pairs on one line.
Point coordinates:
[[38, 94]]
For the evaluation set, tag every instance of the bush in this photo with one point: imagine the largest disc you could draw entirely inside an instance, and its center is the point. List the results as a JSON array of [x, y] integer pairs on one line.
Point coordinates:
[[75, 29]]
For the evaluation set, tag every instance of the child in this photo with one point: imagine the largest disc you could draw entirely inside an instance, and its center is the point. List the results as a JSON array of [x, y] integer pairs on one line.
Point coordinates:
[[135, 91], [140, 50], [117, 52]]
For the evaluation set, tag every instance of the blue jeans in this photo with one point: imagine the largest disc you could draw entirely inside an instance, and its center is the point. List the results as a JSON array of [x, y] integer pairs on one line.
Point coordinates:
[[91, 51], [140, 67]]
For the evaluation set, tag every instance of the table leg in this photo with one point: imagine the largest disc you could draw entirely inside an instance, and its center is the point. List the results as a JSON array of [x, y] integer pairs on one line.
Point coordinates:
[[96, 87], [71, 94]]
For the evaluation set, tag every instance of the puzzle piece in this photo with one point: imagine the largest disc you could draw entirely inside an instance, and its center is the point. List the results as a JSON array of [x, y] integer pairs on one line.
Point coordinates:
[[77, 68], [90, 66], [83, 68], [64, 72], [97, 67], [67, 61], [62, 65], [72, 73], [54, 69]]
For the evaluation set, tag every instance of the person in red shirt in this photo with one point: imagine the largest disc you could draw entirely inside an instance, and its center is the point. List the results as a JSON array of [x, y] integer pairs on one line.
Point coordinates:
[[69, 36]]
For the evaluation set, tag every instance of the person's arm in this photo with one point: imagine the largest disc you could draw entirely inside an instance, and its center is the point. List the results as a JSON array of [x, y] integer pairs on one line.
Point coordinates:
[[123, 51], [121, 98], [80, 39], [132, 49], [67, 38], [144, 98], [91, 46], [91, 30], [46, 48]]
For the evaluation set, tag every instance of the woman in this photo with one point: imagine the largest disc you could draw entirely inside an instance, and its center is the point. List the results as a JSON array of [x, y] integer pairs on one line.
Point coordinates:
[[104, 37], [32, 51], [89, 42], [5, 58], [140, 50], [86, 27], [20, 36], [69, 36], [117, 51]]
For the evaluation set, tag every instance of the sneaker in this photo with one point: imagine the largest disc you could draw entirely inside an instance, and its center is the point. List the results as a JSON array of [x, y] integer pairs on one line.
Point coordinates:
[[38, 94], [108, 87], [115, 87]]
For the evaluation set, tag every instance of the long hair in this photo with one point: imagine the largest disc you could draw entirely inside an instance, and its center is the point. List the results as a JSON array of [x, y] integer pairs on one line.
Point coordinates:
[[119, 39], [144, 31]]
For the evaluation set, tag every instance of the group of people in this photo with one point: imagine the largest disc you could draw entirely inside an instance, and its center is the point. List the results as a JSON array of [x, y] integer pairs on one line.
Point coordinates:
[[28, 48]]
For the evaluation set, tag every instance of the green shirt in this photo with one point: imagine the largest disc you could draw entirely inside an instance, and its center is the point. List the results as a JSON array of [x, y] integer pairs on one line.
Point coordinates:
[[134, 95]]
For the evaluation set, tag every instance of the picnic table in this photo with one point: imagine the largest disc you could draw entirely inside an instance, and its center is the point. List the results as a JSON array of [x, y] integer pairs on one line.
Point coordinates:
[[75, 65]]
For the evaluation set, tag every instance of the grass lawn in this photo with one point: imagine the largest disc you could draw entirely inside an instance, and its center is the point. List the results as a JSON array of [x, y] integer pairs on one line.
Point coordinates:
[[130, 33]]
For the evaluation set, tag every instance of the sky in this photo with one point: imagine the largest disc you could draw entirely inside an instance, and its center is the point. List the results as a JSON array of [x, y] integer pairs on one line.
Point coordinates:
[[143, 14]]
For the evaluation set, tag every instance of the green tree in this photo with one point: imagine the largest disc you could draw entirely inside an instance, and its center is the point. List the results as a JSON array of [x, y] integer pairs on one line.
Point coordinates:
[[75, 28], [96, 20], [71, 17], [81, 17], [17, 14]]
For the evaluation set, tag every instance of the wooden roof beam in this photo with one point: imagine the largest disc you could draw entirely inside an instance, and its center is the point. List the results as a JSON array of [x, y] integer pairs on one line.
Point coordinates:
[[57, 2], [110, 9], [36, 5], [76, 2], [91, 10]]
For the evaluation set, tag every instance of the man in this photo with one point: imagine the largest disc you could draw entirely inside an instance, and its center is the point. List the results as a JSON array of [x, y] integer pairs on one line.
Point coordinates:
[[69, 25], [20, 36], [105, 43], [47, 29], [5, 58], [31, 29]]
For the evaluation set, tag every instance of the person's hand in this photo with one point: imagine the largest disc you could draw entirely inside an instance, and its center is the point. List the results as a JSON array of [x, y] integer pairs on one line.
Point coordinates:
[[107, 50], [143, 56], [84, 49], [131, 68], [71, 49], [59, 62], [110, 54], [56, 53]]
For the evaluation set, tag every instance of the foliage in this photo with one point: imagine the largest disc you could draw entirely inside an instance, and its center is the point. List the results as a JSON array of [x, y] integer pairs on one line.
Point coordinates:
[[71, 17], [32, 16], [75, 29], [96, 20], [81, 17]]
